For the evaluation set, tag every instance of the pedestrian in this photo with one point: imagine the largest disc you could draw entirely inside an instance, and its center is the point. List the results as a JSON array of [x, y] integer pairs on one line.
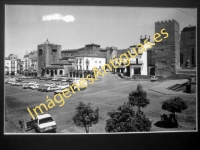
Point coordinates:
[[21, 122]]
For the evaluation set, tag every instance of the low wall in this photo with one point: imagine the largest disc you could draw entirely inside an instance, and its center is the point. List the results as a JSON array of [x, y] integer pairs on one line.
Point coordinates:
[[146, 77]]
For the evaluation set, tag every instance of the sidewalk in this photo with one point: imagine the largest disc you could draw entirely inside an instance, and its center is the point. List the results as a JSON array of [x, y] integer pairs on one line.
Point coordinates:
[[8, 128], [161, 88]]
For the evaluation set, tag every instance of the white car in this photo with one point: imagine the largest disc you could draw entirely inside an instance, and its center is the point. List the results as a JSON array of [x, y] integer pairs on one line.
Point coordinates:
[[34, 86], [10, 82], [58, 91], [15, 84], [154, 78], [50, 84], [54, 79], [32, 82], [44, 123], [64, 86], [64, 80], [51, 89]]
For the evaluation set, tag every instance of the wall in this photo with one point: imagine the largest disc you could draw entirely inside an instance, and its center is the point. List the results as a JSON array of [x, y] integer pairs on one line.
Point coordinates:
[[188, 42], [48, 56], [167, 52], [93, 62]]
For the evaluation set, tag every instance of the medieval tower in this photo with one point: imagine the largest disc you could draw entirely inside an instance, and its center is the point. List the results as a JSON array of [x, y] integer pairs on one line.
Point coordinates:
[[167, 52], [47, 54]]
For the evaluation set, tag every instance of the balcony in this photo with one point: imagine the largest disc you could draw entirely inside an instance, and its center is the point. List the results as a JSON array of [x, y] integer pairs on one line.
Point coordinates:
[[136, 62]]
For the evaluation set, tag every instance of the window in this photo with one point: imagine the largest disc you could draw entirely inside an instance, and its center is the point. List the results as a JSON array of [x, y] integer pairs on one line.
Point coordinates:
[[181, 59], [54, 50], [40, 51], [136, 60], [192, 35], [193, 55], [99, 61], [95, 61]]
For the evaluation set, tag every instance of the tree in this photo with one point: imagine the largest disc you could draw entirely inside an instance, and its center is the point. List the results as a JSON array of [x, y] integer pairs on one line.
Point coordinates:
[[174, 105], [85, 116], [138, 98], [125, 119]]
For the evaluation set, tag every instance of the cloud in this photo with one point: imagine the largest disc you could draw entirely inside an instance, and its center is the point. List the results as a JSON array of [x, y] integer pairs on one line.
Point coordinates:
[[68, 18]]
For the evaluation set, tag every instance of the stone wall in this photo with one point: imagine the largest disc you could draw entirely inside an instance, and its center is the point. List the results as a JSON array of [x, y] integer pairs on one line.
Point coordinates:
[[188, 43], [167, 52], [46, 55]]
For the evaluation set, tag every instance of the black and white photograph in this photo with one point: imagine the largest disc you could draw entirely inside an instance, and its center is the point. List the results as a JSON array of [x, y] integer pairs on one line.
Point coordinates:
[[99, 69]]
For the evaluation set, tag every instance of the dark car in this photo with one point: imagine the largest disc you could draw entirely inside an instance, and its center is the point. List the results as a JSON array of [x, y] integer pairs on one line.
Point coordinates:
[[39, 89], [43, 78], [44, 88], [48, 79], [70, 81], [25, 86]]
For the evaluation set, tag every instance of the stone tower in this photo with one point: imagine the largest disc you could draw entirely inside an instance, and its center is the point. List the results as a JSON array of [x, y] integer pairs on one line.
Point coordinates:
[[167, 52], [47, 53]]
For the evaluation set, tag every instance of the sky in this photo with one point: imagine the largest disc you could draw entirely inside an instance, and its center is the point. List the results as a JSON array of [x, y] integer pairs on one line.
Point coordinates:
[[72, 27]]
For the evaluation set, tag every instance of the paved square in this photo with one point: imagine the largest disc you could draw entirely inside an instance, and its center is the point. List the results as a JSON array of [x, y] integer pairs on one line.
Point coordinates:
[[107, 93]]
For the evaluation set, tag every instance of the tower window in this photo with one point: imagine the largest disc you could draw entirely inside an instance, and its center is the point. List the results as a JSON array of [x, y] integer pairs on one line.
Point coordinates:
[[40, 51], [193, 62], [181, 61], [54, 50]]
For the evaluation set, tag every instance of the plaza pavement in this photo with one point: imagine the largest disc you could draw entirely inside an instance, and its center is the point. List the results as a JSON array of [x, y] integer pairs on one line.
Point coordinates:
[[107, 93]]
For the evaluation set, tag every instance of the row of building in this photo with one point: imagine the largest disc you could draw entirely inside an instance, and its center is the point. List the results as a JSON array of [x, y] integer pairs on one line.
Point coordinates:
[[176, 52]]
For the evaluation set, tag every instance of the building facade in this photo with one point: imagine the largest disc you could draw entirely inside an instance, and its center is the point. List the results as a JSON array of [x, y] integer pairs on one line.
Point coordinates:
[[188, 47], [85, 59], [47, 53], [11, 64]]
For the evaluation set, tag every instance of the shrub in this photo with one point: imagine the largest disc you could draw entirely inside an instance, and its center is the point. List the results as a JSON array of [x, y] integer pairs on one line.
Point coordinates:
[[174, 105], [85, 116], [138, 97], [125, 119]]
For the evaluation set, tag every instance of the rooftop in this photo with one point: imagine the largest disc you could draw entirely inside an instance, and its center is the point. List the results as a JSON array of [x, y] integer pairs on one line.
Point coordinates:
[[190, 28], [43, 116], [92, 44], [62, 62], [54, 67]]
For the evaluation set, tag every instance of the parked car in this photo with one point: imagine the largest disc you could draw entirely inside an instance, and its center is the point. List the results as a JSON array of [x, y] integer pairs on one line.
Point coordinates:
[[25, 86], [35, 86], [51, 89], [32, 82], [44, 123], [20, 83], [54, 79], [40, 87], [58, 91], [63, 86], [57, 84], [59, 79], [16, 83], [6, 81], [64, 80], [70, 81], [10, 82], [50, 84], [29, 85], [82, 87], [44, 88], [43, 78], [154, 78]]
